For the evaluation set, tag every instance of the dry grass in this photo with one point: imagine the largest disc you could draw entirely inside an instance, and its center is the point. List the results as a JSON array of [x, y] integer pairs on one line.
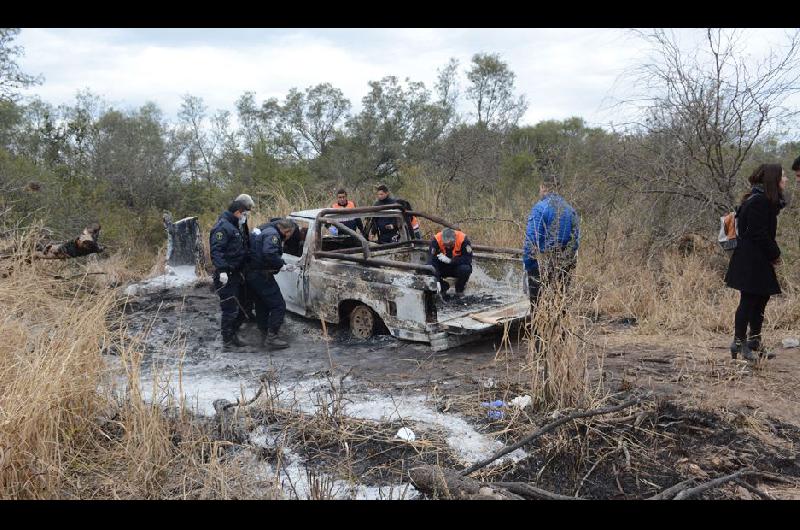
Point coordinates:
[[65, 430]]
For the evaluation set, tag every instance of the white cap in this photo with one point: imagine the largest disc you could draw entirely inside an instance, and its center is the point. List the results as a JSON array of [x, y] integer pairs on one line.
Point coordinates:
[[248, 200]]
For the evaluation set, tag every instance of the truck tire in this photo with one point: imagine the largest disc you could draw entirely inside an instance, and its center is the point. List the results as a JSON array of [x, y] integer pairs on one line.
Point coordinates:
[[362, 322]]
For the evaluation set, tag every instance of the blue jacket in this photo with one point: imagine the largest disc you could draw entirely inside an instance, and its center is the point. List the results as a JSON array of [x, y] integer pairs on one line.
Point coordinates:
[[228, 247], [266, 249], [553, 223]]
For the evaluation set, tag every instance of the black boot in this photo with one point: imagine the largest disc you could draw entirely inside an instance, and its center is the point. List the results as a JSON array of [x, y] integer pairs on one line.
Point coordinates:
[[740, 346], [273, 342], [736, 348], [233, 341], [756, 346]]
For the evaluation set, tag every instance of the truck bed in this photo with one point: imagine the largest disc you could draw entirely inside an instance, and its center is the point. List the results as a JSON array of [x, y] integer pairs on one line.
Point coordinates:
[[494, 289]]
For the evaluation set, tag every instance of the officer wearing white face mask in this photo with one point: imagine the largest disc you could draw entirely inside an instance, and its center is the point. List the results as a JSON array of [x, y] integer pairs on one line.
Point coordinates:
[[229, 251]]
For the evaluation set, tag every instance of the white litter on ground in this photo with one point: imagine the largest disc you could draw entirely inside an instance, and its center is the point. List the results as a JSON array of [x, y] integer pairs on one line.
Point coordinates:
[[173, 278], [522, 401], [790, 342], [406, 434]]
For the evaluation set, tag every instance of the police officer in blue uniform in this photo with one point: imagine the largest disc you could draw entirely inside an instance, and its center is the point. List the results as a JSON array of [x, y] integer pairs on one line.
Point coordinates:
[[229, 256], [266, 249]]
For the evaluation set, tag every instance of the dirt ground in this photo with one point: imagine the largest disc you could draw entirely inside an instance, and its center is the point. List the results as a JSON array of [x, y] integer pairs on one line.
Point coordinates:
[[712, 415]]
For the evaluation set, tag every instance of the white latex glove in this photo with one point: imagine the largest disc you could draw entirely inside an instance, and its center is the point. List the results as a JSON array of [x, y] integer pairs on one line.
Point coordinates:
[[288, 267], [443, 258], [223, 277]]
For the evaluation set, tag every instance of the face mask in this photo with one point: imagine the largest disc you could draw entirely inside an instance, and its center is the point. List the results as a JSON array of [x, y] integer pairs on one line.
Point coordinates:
[[243, 219]]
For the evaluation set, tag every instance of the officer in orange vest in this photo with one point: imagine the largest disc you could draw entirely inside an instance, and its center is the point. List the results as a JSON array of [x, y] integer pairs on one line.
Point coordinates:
[[343, 202], [451, 256]]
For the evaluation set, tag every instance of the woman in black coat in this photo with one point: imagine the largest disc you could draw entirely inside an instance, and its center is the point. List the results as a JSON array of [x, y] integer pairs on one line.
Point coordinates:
[[753, 263]]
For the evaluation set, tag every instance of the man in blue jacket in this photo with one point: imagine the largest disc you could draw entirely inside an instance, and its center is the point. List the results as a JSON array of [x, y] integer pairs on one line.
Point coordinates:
[[551, 240], [229, 255], [266, 250]]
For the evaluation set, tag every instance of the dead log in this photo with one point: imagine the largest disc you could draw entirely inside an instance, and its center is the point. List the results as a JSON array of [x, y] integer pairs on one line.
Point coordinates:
[[444, 483], [83, 245], [532, 492]]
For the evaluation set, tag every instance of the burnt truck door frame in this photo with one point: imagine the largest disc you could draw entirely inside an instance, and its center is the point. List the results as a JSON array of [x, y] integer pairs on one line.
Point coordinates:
[[292, 283]]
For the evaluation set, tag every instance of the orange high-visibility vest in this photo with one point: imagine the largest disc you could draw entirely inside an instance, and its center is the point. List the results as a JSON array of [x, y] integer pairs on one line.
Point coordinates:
[[460, 237], [350, 204], [414, 223]]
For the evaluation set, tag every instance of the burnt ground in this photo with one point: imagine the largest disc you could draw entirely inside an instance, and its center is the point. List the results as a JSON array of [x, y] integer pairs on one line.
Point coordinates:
[[712, 415]]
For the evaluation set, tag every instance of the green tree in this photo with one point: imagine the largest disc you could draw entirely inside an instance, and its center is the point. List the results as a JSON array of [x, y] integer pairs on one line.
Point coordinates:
[[492, 92], [12, 78]]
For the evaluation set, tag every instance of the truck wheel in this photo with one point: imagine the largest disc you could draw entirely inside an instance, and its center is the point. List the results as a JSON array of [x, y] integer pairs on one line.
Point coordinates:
[[362, 322]]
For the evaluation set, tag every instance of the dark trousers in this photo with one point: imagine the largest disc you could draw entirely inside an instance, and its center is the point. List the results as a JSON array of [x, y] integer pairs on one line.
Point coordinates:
[[388, 236], [557, 272], [460, 272], [230, 303], [266, 294], [750, 312]]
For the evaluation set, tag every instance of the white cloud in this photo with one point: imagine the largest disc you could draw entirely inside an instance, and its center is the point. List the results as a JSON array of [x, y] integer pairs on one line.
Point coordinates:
[[563, 72]]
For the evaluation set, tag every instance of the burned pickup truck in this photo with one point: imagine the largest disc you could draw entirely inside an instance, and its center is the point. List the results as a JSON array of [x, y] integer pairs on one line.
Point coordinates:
[[340, 276]]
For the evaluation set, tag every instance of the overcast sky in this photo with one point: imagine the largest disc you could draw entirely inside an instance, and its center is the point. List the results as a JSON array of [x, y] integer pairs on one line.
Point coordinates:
[[562, 72]]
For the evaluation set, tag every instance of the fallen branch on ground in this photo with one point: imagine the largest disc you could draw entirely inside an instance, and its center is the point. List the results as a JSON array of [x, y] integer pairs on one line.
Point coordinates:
[[532, 492], [697, 490], [449, 484], [670, 492], [754, 490], [547, 428]]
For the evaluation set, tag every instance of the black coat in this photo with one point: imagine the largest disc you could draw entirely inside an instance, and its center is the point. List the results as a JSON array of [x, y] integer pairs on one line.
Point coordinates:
[[228, 247], [750, 269]]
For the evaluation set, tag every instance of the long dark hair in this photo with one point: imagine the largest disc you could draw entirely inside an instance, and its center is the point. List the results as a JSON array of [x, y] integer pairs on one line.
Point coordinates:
[[768, 176]]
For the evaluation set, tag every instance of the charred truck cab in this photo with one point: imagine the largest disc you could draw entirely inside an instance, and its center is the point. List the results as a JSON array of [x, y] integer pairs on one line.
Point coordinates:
[[341, 277]]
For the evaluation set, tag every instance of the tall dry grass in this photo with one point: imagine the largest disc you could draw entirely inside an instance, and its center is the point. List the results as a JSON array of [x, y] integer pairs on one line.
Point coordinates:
[[557, 357], [67, 429], [52, 334]]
